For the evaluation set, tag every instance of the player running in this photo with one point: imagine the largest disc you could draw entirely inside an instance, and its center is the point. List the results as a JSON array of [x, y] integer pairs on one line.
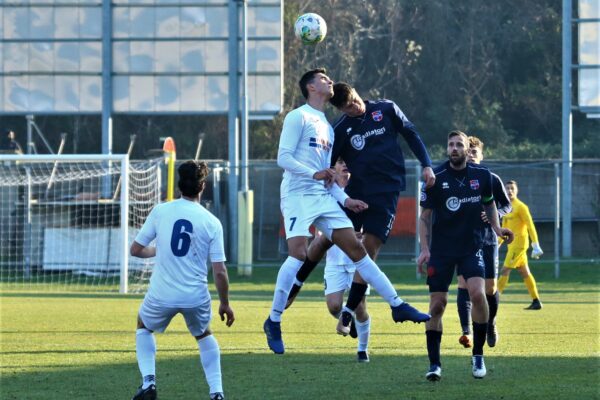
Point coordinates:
[[451, 235], [490, 259], [520, 222], [308, 196], [366, 138], [186, 236]]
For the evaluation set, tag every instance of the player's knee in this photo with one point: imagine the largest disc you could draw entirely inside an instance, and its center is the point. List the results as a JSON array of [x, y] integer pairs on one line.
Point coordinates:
[[436, 309], [334, 309]]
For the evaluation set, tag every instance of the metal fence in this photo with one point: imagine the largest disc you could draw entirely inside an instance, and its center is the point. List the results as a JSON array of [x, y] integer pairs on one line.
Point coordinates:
[[537, 181]]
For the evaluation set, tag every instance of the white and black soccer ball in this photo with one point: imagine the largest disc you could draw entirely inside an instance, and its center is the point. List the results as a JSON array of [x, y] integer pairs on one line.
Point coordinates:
[[310, 28]]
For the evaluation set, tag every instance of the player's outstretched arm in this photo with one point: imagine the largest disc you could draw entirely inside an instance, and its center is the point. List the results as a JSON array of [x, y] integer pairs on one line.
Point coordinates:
[[222, 284], [137, 250], [428, 177]]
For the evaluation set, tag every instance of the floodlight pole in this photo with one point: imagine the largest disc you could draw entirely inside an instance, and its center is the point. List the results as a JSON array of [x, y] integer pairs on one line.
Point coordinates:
[[233, 122], [567, 129], [106, 90]]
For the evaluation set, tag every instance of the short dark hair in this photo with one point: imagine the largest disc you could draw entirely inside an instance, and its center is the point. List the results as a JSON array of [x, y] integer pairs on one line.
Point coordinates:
[[514, 183], [459, 133], [342, 94], [192, 175], [308, 78]]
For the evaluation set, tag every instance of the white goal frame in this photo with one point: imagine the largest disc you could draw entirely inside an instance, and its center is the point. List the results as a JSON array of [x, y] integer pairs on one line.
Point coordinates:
[[123, 159]]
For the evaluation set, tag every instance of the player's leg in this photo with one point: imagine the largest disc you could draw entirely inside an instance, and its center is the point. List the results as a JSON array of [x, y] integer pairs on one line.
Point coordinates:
[[298, 215], [363, 331], [198, 322], [531, 285], [473, 269], [510, 262], [463, 305], [315, 253], [438, 281], [490, 257], [151, 318]]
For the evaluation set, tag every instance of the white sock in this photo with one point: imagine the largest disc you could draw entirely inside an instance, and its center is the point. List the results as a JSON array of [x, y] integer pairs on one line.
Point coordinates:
[[371, 273], [145, 350], [285, 280], [363, 329], [210, 357]]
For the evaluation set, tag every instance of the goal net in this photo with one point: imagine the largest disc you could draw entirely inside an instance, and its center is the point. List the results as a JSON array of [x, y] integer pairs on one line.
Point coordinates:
[[67, 221]]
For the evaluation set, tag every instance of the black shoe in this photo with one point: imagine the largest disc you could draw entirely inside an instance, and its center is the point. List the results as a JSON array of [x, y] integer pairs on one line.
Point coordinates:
[[362, 357], [217, 396], [292, 296], [145, 394], [536, 304], [343, 326]]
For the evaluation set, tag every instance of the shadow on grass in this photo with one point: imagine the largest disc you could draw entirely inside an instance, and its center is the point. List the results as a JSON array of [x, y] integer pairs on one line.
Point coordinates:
[[318, 376]]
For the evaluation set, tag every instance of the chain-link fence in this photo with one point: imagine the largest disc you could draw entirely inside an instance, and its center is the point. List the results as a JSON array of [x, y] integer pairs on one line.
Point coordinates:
[[537, 181]]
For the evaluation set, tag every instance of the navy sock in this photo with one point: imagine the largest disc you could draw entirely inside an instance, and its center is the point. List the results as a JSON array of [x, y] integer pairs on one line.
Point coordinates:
[[493, 301], [356, 294], [306, 268], [479, 334], [463, 304], [434, 340]]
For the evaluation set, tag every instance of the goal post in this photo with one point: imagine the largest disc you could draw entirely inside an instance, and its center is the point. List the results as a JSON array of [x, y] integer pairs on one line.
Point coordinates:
[[68, 221]]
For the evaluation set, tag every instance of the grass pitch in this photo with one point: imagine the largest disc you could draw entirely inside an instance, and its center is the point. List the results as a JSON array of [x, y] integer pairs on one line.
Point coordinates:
[[81, 346]]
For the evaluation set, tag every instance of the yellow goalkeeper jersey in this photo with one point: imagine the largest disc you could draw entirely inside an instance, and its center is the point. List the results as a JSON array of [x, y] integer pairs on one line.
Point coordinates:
[[519, 221]]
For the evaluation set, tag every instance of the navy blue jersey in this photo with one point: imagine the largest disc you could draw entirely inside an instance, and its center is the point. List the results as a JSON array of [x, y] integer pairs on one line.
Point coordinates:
[[503, 206], [369, 146], [456, 199]]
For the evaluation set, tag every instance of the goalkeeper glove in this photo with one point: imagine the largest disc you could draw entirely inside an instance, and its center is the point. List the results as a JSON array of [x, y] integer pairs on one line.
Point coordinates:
[[537, 252]]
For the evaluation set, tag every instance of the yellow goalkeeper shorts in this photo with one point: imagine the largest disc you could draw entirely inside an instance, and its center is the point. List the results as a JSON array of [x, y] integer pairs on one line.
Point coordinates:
[[515, 257]]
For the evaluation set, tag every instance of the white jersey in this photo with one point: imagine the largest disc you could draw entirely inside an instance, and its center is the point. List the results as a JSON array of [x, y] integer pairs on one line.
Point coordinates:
[[336, 257], [309, 136], [187, 234]]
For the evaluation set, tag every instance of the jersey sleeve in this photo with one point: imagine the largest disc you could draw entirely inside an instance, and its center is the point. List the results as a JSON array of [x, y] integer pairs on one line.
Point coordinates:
[[500, 196], [529, 222], [290, 136], [409, 132], [148, 232], [427, 196], [487, 189], [216, 250]]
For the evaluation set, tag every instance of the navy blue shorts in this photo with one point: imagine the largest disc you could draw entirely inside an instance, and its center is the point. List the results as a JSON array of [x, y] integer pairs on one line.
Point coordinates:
[[490, 259], [440, 269], [378, 219]]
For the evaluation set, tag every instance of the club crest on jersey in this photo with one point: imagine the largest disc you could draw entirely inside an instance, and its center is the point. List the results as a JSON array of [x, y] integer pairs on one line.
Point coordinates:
[[358, 142], [453, 204], [474, 184], [377, 115]]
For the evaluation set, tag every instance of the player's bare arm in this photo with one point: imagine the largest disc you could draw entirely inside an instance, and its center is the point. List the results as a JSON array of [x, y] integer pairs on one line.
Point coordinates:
[[492, 216], [355, 205], [326, 175], [137, 250], [428, 177], [222, 285], [424, 237]]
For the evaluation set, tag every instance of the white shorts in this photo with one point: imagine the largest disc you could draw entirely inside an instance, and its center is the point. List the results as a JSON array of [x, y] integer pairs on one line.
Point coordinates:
[[302, 211], [157, 318], [338, 278]]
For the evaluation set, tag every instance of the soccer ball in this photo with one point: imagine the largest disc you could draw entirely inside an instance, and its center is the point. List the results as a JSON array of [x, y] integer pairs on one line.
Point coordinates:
[[310, 28]]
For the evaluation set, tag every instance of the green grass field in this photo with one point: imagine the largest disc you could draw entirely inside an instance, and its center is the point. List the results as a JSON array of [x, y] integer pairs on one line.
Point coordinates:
[[81, 346]]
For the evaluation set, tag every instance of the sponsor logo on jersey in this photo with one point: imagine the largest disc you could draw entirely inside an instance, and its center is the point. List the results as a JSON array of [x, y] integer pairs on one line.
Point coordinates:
[[320, 143], [358, 142], [377, 115], [445, 185], [453, 203], [474, 184]]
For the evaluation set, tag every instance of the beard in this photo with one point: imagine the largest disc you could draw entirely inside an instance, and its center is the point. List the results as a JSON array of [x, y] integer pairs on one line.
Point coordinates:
[[458, 160]]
